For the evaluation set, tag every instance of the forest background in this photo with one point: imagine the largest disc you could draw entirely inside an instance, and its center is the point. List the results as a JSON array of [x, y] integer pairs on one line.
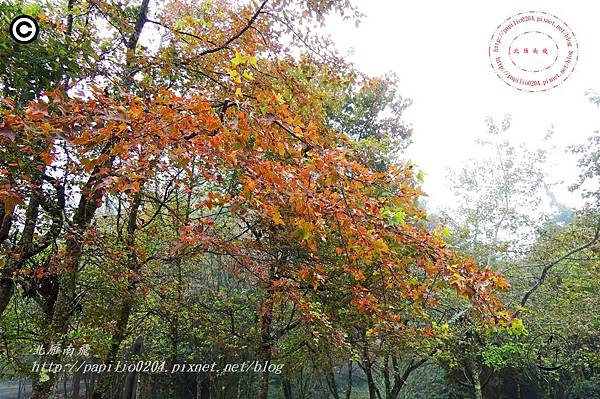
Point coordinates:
[[208, 181]]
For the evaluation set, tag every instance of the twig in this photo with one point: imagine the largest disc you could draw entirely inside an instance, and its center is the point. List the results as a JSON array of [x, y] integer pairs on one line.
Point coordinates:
[[548, 266]]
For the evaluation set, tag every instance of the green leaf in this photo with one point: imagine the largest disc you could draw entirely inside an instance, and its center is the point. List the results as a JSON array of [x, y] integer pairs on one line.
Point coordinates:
[[304, 231], [517, 328], [398, 217], [446, 232], [238, 59], [44, 376]]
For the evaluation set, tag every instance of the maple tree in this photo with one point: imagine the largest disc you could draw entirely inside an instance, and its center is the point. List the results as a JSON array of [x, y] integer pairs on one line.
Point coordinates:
[[219, 141]]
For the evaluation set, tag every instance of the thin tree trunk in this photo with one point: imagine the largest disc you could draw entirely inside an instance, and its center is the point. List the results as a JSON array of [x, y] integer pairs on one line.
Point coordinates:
[[6, 287], [62, 310], [369, 371], [131, 380], [266, 345], [76, 385], [386, 376], [139, 386], [103, 385], [349, 384], [332, 383], [400, 379], [286, 386], [120, 332], [173, 355], [67, 280], [203, 388], [476, 380], [174, 335]]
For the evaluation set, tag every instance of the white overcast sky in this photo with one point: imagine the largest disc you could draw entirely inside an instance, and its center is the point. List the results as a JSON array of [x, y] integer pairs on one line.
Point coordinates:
[[439, 50]]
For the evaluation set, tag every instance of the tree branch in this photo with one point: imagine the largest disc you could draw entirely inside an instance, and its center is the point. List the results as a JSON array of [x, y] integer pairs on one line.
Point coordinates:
[[237, 35], [549, 266]]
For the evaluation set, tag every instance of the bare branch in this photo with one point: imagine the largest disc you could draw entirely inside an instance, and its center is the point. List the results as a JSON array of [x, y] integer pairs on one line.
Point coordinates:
[[237, 35], [550, 265]]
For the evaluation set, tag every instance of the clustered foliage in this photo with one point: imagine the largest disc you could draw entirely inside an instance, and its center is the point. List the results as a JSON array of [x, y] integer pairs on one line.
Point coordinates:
[[201, 181]]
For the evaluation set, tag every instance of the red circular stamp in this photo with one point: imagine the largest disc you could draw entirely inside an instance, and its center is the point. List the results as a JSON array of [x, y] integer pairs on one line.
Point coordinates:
[[533, 51]]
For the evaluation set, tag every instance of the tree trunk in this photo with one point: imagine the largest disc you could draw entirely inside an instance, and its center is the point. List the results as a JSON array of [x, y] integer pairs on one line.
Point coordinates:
[[386, 376], [266, 345], [6, 287], [103, 385], [332, 383], [400, 379], [369, 371], [139, 386], [173, 377], [65, 378], [131, 380], [68, 277], [286, 387], [120, 332], [61, 314], [349, 384], [202, 387], [5, 222], [477, 392], [76, 385]]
